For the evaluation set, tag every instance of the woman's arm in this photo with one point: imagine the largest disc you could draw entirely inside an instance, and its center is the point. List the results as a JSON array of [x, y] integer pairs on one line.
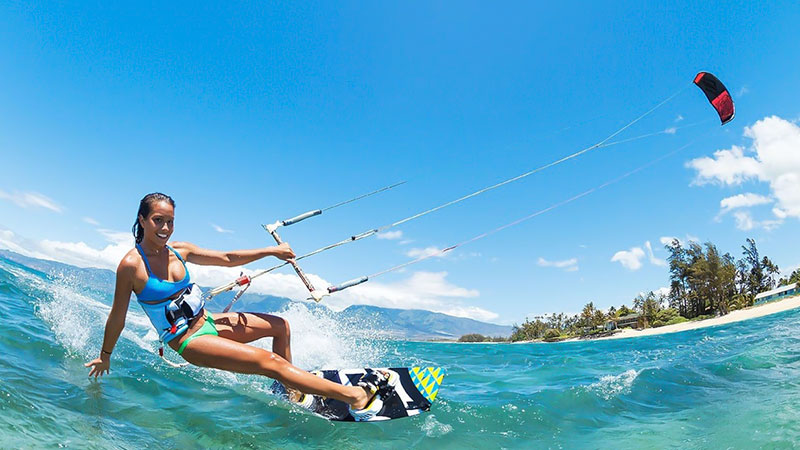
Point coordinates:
[[205, 257], [116, 318]]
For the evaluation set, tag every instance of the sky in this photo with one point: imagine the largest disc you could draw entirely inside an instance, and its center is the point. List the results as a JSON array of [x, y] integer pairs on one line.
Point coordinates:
[[250, 112]]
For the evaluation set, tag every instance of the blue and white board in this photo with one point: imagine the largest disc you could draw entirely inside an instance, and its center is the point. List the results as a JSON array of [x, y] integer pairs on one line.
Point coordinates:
[[415, 392]]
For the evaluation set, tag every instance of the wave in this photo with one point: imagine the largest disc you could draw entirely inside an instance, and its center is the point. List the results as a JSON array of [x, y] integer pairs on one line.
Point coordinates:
[[691, 390], [610, 386]]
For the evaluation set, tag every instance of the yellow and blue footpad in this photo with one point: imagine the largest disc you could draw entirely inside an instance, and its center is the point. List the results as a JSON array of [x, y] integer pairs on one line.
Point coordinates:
[[427, 380]]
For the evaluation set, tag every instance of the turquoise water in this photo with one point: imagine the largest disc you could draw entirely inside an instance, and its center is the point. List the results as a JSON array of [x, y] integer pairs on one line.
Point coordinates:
[[733, 386]]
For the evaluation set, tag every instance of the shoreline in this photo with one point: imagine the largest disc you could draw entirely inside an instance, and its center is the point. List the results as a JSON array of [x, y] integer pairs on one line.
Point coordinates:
[[739, 315]]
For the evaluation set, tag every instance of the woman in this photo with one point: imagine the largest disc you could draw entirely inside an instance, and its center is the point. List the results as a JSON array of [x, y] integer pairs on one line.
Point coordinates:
[[157, 274]]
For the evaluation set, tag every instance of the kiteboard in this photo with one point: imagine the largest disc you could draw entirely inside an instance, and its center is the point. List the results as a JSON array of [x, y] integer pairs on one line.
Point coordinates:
[[414, 393]]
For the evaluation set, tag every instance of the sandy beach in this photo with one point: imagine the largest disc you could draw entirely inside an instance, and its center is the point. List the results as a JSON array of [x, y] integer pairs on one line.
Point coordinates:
[[735, 316]]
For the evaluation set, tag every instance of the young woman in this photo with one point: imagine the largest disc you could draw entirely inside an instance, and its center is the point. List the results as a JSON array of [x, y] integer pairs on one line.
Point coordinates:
[[157, 274]]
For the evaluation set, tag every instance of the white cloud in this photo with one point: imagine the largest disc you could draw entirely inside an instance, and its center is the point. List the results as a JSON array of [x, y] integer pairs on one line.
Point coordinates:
[[774, 159], [569, 265], [671, 130], [744, 221], [421, 290], [390, 235], [744, 90], [653, 260], [16, 243], [425, 252], [219, 229], [630, 259], [31, 199], [75, 253], [743, 201], [727, 167], [91, 221], [471, 312]]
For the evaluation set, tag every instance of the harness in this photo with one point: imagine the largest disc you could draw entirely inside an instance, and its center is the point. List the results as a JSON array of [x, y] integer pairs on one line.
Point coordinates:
[[170, 317]]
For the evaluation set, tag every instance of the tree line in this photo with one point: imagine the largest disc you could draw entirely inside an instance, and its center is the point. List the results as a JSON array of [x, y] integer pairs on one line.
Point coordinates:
[[703, 283]]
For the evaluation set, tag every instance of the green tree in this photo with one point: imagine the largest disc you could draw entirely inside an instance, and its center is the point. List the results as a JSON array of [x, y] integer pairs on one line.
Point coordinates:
[[794, 277], [771, 272], [741, 300], [648, 305], [588, 315], [679, 277], [624, 311], [473, 337], [755, 277], [528, 331]]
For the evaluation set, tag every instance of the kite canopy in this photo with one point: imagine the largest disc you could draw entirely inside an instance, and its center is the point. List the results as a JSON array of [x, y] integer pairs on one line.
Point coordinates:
[[717, 94]]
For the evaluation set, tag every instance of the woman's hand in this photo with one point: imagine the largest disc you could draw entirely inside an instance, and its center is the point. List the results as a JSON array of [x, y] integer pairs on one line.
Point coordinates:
[[99, 365], [283, 252]]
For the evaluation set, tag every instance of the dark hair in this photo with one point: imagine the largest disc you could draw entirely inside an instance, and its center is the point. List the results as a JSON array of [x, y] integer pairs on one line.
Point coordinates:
[[144, 211]]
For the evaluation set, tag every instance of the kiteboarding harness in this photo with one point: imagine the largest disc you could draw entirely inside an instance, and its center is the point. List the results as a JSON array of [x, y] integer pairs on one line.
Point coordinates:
[[171, 316]]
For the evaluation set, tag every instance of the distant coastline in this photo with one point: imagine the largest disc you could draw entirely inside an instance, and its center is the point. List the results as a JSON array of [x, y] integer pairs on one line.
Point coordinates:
[[751, 312]]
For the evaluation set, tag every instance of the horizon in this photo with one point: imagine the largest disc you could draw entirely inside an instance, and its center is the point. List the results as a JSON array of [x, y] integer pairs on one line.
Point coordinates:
[[250, 115]]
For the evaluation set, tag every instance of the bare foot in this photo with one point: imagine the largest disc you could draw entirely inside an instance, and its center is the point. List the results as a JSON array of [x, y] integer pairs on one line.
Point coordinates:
[[362, 396], [294, 394]]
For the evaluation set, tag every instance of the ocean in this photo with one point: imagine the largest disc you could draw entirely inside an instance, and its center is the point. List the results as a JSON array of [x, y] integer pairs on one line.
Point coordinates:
[[732, 386]]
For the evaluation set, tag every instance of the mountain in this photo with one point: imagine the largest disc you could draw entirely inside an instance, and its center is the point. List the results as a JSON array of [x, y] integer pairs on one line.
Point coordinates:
[[388, 322], [101, 279], [420, 324]]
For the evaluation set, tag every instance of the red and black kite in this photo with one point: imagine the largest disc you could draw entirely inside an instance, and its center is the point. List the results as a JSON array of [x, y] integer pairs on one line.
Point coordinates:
[[717, 94]]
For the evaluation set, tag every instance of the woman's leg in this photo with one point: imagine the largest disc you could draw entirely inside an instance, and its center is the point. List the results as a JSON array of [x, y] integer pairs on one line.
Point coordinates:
[[226, 354], [248, 327]]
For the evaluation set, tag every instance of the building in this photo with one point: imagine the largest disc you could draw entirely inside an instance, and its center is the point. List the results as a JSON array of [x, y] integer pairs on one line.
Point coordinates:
[[777, 294], [631, 320]]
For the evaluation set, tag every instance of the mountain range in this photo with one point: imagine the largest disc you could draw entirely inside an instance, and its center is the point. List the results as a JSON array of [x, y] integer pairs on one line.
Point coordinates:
[[389, 323]]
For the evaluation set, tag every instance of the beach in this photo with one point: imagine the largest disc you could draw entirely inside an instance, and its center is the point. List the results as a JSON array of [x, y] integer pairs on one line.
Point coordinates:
[[735, 316]]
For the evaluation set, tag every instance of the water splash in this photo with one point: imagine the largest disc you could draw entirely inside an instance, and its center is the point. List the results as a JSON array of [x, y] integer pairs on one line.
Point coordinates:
[[320, 340], [434, 428], [611, 386]]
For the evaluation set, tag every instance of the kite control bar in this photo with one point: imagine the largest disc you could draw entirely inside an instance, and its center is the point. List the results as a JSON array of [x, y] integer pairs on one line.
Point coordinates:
[[272, 229], [243, 280]]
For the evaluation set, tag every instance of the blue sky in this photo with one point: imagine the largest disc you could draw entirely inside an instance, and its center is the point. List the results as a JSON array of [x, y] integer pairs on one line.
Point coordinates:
[[246, 113]]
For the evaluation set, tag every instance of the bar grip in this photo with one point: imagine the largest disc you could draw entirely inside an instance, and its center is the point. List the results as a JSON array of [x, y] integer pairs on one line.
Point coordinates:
[[216, 291], [301, 217], [347, 284]]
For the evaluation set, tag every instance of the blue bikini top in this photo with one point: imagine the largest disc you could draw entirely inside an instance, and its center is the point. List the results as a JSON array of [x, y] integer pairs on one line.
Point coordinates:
[[158, 289]]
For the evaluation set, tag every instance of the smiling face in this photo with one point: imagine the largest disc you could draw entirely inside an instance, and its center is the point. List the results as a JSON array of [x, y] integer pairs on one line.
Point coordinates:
[[158, 225]]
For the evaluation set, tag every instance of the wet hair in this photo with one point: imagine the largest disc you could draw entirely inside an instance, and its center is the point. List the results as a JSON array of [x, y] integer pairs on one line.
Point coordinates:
[[144, 210]]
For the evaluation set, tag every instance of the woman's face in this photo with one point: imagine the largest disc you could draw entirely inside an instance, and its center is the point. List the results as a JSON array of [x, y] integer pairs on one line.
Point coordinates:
[[158, 225]]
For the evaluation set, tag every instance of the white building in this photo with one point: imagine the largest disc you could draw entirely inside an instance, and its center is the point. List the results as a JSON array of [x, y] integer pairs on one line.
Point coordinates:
[[777, 293]]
